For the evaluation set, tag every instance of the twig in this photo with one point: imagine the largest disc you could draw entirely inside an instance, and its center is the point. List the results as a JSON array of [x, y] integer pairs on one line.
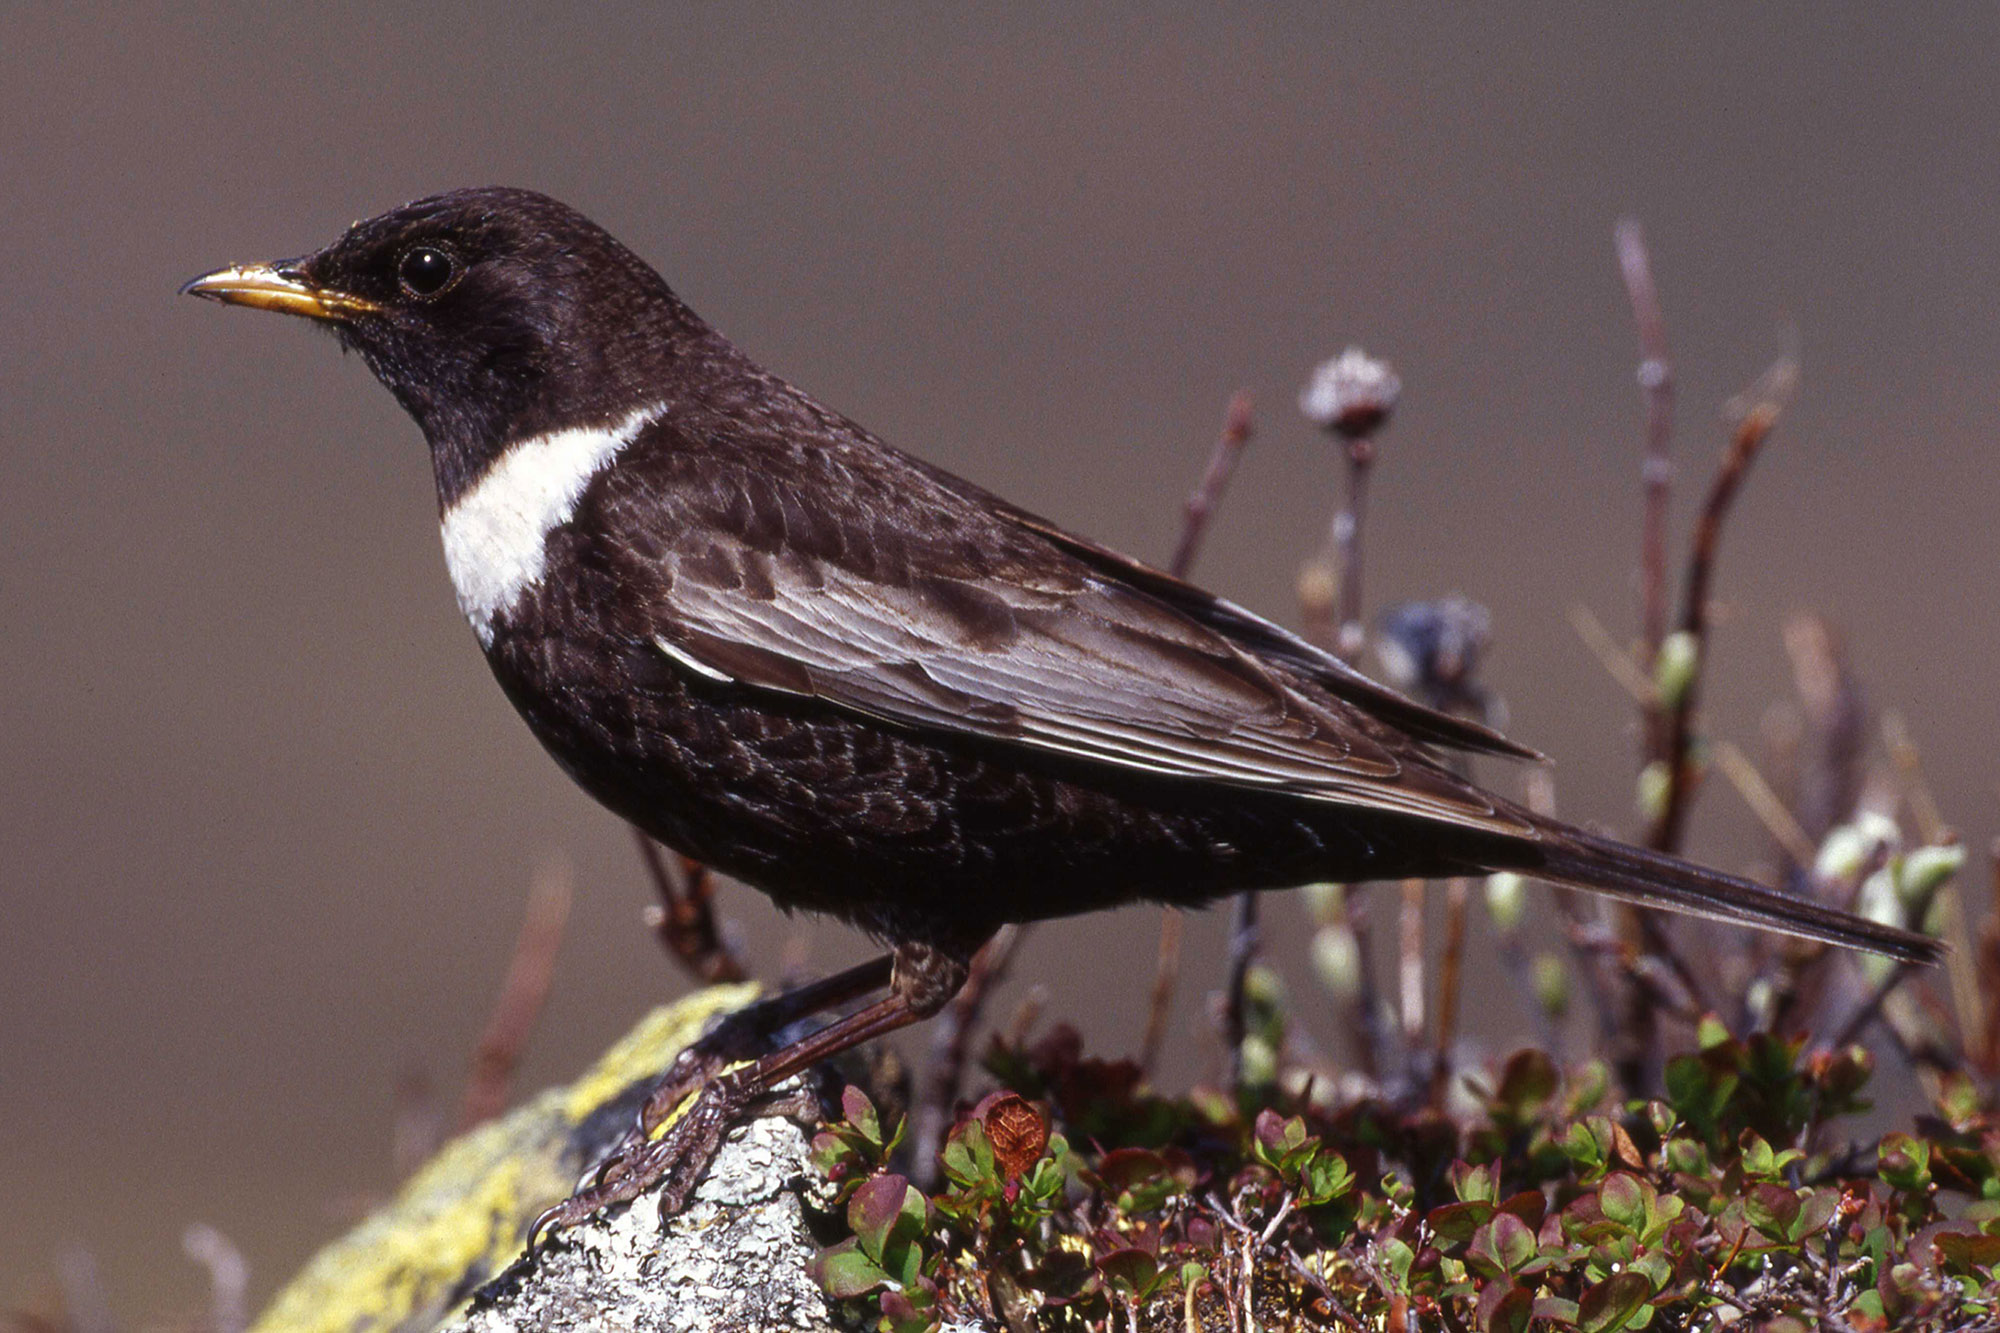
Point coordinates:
[[1761, 406], [1657, 984], [1235, 1009], [684, 918], [1989, 951], [951, 1039], [522, 993], [1599, 970], [1166, 974], [1764, 802], [1377, 1034], [1656, 383], [1350, 398], [1237, 425], [1871, 1007], [1614, 659], [1410, 965], [1763, 403], [1449, 970], [1833, 734], [1961, 964], [1201, 502], [1910, 769], [1346, 541], [228, 1277]]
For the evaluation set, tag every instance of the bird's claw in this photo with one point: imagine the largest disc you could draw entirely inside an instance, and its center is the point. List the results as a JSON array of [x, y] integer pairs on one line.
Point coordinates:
[[671, 1162]]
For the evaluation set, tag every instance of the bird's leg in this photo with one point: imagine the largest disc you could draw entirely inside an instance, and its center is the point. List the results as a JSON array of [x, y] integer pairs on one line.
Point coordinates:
[[673, 1151], [746, 1034]]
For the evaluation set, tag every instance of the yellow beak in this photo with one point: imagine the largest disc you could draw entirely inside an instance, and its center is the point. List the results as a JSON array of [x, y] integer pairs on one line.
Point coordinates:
[[268, 287]]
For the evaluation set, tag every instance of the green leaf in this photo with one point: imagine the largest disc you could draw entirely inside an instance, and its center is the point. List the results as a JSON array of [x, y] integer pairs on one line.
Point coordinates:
[[833, 1157], [1588, 1144], [1611, 1304], [888, 1216], [1502, 1246], [1324, 1179], [1132, 1269], [1474, 1184], [1454, 1223], [1555, 1310], [967, 1157], [1816, 1209], [1964, 1253], [1396, 1259], [1277, 1137], [1622, 1198], [1904, 1162], [1526, 1085], [860, 1113], [844, 1271], [902, 1314], [1686, 1157], [1505, 1309]]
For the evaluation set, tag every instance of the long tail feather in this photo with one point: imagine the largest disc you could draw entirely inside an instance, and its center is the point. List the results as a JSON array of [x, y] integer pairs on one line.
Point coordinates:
[[1650, 879]]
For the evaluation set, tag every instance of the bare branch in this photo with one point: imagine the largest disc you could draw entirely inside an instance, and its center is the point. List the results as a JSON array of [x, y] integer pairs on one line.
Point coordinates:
[[1763, 802], [1761, 406], [1235, 1008], [1616, 662], [522, 994], [1237, 426], [1166, 973], [1410, 965], [1236, 429], [1656, 383], [1450, 968], [1961, 963], [685, 915]]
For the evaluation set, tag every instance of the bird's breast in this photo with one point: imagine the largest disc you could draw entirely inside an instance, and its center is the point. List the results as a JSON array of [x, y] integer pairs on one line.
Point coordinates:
[[496, 532]]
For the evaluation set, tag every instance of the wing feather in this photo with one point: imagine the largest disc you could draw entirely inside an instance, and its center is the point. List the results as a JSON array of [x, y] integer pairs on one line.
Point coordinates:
[[1082, 667]]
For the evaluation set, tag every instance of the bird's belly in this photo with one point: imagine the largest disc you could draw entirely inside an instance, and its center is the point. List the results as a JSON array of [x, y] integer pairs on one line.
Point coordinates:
[[892, 830]]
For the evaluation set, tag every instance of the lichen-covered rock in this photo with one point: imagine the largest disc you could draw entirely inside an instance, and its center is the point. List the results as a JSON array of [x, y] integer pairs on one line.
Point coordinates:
[[461, 1219], [736, 1258]]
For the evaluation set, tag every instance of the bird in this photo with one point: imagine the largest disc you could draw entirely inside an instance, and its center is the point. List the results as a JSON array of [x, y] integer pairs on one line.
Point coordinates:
[[861, 684]]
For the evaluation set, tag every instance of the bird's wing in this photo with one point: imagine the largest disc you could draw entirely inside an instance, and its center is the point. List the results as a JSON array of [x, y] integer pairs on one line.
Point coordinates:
[[1029, 647], [1275, 643]]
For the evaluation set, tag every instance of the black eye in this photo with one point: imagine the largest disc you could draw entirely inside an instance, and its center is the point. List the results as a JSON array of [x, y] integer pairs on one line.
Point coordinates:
[[425, 270]]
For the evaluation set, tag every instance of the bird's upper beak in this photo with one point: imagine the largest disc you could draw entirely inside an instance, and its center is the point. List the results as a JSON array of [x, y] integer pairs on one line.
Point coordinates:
[[282, 287]]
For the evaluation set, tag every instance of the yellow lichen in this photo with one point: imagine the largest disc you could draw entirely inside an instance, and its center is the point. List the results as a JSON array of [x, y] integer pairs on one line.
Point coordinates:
[[463, 1216]]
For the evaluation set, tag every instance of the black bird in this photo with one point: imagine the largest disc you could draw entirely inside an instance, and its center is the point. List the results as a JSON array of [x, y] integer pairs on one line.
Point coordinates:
[[859, 683]]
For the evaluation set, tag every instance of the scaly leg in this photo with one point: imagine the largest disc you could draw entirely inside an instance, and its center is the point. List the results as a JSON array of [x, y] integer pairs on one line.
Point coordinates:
[[921, 979]]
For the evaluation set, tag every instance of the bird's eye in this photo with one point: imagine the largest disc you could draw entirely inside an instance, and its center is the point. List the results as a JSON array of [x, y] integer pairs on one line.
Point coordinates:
[[425, 271]]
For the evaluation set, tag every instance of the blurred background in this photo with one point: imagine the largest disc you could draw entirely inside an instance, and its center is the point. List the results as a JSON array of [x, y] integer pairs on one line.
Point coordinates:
[[266, 825]]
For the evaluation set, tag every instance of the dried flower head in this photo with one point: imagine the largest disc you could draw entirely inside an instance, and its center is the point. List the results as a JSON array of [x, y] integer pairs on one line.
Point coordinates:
[[1431, 650], [1351, 395]]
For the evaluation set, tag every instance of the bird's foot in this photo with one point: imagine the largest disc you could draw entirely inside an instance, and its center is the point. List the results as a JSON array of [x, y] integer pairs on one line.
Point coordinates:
[[680, 1132]]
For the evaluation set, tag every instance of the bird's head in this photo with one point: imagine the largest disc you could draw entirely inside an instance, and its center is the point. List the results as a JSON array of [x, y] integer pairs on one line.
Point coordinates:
[[492, 314]]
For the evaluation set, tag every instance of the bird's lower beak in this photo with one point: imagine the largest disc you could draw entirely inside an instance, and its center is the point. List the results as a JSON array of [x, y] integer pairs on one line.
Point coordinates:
[[281, 288]]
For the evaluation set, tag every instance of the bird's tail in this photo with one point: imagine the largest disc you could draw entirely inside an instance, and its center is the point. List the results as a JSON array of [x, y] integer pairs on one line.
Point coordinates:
[[1652, 879]]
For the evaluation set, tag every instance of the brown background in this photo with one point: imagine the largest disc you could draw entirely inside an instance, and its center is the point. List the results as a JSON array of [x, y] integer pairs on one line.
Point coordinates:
[[265, 823]]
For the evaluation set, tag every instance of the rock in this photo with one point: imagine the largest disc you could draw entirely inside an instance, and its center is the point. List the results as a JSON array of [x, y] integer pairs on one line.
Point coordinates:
[[735, 1259]]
